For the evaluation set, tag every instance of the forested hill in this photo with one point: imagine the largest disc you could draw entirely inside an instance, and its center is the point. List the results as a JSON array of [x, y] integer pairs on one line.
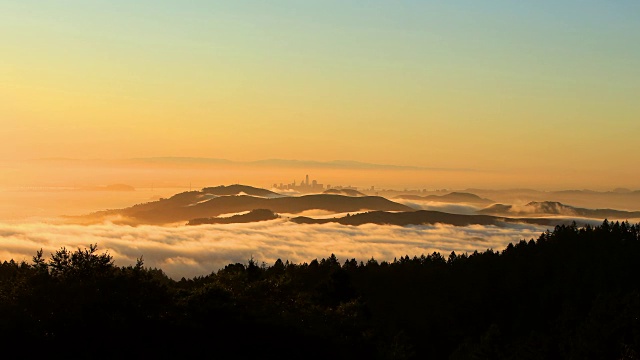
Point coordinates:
[[573, 293]]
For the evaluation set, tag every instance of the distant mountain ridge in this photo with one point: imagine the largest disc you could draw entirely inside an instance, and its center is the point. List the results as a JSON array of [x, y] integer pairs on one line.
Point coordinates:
[[288, 163], [453, 197], [427, 217], [557, 208]]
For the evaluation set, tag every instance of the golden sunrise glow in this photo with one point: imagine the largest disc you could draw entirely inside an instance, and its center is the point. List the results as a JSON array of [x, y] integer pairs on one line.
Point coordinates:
[[399, 85]]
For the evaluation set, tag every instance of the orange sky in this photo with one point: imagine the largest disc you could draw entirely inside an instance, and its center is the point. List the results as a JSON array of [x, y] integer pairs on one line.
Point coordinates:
[[525, 95]]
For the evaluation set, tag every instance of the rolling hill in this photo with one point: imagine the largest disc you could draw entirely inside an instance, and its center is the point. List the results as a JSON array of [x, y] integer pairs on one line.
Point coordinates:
[[454, 197], [425, 217], [251, 216], [238, 189], [544, 208], [191, 205], [347, 192]]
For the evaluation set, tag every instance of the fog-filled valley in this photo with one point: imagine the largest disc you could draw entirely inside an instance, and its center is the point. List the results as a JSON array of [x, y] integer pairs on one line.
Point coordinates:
[[193, 232]]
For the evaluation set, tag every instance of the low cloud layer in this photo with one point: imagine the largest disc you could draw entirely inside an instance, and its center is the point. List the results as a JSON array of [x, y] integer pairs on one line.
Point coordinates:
[[189, 251]]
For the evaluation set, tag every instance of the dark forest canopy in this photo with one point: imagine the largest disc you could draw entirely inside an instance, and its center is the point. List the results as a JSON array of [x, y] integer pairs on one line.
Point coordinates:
[[572, 293]]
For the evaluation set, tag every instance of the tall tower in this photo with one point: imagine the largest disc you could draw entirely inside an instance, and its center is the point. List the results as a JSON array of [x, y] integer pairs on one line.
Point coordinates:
[[307, 181]]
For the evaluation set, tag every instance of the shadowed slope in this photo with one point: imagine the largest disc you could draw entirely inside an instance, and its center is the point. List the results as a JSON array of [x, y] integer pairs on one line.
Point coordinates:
[[252, 216], [454, 197], [556, 208], [238, 189], [348, 192], [194, 204], [423, 217]]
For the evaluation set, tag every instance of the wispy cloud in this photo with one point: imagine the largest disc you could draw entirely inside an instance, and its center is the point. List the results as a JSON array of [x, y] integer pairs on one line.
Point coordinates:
[[199, 250]]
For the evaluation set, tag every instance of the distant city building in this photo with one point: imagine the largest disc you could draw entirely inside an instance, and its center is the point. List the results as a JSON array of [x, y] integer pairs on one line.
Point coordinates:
[[305, 186], [310, 185]]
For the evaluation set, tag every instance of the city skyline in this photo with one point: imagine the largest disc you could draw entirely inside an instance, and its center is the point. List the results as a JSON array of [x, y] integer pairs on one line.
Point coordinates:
[[304, 185]]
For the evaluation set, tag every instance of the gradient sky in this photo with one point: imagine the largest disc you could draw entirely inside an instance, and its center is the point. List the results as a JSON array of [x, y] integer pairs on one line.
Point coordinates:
[[516, 87]]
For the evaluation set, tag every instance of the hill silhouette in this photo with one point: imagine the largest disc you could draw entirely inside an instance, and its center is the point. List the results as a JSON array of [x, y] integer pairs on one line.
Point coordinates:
[[347, 192], [589, 199], [557, 208], [190, 205], [238, 189], [424, 217], [453, 197], [252, 216]]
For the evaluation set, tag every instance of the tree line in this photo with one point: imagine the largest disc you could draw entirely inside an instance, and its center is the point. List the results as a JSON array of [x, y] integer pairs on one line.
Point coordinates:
[[573, 292]]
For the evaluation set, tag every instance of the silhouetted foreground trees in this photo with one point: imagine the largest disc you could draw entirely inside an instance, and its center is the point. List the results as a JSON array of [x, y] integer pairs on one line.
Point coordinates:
[[573, 293]]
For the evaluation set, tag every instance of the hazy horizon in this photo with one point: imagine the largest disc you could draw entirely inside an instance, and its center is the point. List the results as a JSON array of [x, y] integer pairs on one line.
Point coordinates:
[[537, 95], [202, 172], [492, 97]]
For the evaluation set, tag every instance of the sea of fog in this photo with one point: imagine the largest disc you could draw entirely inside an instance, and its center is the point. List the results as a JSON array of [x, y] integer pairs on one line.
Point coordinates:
[[29, 221], [188, 251]]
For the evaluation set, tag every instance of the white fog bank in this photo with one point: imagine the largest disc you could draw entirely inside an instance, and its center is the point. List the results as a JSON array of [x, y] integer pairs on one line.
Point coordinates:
[[190, 251]]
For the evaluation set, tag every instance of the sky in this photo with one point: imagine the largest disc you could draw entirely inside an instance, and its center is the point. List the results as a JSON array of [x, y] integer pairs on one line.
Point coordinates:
[[540, 92]]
